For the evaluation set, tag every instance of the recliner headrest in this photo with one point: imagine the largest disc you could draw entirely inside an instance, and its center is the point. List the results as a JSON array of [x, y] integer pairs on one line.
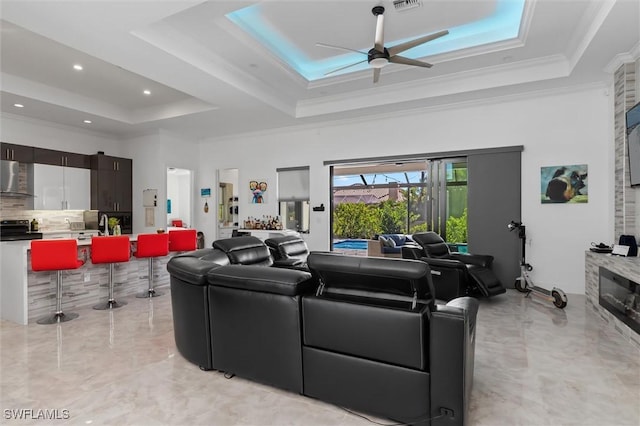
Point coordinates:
[[287, 246], [371, 275], [432, 243], [246, 250]]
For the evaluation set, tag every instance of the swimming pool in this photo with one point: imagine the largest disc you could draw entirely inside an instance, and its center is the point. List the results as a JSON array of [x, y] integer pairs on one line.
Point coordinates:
[[351, 244]]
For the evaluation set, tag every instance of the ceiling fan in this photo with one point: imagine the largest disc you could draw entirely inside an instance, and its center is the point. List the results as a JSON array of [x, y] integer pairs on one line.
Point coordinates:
[[379, 56]]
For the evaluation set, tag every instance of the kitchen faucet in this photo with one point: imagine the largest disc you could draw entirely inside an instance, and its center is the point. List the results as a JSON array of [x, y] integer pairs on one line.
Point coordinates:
[[104, 221]]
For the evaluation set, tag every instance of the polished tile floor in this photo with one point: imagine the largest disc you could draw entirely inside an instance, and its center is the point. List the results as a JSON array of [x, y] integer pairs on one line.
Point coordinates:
[[535, 365]]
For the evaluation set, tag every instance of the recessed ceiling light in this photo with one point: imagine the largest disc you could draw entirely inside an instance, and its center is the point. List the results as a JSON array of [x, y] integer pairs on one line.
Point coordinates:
[[87, 121], [146, 92], [18, 105], [78, 67]]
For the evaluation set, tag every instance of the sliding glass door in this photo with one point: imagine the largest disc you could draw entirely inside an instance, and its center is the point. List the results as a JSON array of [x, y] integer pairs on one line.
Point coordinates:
[[408, 197]]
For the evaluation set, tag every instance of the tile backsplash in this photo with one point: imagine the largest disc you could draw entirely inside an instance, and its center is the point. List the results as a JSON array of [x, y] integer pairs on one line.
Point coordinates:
[[21, 207], [48, 220]]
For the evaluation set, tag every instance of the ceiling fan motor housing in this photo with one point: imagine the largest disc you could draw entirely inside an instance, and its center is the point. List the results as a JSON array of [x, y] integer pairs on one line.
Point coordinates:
[[377, 10], [378, 59]]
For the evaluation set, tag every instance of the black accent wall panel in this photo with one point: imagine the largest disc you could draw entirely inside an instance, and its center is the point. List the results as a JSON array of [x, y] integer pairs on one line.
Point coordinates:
[[494, 200]]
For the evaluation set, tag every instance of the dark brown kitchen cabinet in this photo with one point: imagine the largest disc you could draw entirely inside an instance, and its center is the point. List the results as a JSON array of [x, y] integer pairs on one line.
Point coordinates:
[[111, 183], [14, 152], [61, 158]]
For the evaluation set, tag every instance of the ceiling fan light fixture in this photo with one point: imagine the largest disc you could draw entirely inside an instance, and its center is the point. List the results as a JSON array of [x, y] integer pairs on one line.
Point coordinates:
[[378, 62]]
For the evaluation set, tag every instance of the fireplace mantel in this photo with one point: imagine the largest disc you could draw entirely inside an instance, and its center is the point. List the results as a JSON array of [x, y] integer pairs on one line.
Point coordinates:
[[628, 267]]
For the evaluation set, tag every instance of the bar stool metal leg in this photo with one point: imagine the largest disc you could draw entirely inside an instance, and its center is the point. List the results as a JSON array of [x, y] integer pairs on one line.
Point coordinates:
[[150, 292], [58, 316], [111, 303]]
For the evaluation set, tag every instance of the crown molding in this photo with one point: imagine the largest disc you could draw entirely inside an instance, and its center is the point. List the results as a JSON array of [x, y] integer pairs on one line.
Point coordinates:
[[623, 58], [513, 73], [488, 100]]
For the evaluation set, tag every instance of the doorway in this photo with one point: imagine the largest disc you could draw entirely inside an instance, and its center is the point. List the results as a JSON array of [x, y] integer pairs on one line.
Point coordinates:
[[179, 200], [228, 213]]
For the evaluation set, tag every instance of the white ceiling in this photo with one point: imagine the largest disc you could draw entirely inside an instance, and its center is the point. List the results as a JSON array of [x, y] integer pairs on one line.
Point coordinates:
[[209, 78]]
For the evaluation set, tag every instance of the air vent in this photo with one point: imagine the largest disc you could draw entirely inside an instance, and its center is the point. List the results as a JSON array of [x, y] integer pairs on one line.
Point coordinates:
[[402, 5]]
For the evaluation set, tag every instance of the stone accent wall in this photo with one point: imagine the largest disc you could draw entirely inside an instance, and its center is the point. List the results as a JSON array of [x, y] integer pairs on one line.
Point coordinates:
[[625, 204], [628, 267], [625, 197]]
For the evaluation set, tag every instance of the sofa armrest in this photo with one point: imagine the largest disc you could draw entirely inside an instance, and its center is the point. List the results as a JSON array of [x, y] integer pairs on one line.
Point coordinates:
[[283, 281], [190, 269], [435, 263], [452, 352], [412, 252], [291, 263], [483, 260]]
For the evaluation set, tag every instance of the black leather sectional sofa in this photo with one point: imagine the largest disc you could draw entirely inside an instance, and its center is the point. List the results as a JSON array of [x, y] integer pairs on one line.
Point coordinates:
[[361, 333]]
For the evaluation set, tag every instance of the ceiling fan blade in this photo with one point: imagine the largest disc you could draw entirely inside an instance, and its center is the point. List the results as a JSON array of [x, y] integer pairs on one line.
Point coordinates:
[[415, 42], [376, 74], [345, 67], [330, 46], [379, 40], [408, 61]]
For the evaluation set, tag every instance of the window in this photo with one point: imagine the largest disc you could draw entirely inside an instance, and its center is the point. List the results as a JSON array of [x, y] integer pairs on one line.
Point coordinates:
[[400, 197], [293, 197]]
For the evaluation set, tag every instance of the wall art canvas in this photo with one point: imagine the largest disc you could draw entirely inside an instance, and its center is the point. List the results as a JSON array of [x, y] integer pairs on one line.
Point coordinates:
[[564, 184], [258, 189]]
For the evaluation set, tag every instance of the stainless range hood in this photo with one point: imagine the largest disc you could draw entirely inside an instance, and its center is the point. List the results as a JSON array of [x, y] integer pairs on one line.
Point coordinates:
[[11, 173]]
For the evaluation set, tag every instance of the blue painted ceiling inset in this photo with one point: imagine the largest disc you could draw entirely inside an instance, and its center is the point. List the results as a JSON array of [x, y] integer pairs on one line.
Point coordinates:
[[503, 24]]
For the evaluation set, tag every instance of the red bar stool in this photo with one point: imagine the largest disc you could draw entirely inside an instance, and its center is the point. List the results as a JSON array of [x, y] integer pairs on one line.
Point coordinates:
[[111, 250], [150, 246], [55, 255], [182, 240]]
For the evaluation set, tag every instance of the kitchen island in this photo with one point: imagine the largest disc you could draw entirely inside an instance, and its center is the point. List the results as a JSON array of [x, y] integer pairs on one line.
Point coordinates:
[[26, 295]]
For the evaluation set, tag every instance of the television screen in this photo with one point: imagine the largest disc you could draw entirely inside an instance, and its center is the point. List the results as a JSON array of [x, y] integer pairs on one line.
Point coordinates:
[[633, 142]]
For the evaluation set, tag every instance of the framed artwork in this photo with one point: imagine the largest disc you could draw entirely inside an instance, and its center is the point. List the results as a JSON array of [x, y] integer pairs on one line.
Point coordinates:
[[564, 184], [258, 191]]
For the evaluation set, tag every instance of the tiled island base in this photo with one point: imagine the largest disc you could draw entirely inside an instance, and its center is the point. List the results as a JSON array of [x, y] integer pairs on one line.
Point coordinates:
[[88, 285], [627, 267]]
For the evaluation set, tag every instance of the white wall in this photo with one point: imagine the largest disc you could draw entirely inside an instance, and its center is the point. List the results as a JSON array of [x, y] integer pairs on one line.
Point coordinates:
[[152, 155], [555, 129]]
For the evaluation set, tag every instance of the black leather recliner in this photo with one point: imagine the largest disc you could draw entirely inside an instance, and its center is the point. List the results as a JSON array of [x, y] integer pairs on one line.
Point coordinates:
[[454, 274], [190, 303], [245, 250], [255, 323], [359, 332], [288, 251], [376, 341]]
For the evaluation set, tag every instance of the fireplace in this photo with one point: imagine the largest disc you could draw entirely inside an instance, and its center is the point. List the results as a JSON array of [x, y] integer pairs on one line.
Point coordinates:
[[621, 297]]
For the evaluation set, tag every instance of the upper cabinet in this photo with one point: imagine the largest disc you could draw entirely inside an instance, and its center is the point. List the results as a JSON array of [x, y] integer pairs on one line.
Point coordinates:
[[61, 188], [61, 180], [67, 180], [111, 180], [61, 158], [13, 152]]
